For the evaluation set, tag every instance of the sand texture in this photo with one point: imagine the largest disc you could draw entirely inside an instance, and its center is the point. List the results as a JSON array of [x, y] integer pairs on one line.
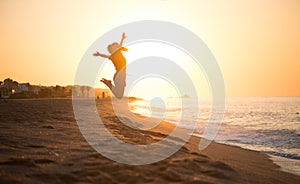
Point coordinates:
[[40, 142]]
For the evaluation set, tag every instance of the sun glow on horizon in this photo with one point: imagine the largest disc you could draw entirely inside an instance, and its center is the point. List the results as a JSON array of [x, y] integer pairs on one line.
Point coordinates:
[[154, 49]]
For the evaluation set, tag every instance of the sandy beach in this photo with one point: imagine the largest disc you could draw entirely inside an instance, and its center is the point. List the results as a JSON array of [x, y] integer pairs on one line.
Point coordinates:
[[40, 142]]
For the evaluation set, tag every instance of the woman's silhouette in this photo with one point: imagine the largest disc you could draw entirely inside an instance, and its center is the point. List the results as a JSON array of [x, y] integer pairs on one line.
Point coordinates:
[[115, 49]]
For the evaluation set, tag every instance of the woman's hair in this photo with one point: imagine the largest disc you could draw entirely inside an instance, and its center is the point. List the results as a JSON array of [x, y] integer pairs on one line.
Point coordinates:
[[114, 47]]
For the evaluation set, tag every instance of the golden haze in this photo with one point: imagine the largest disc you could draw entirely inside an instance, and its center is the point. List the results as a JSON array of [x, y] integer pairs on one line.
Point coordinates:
[[257, 43]]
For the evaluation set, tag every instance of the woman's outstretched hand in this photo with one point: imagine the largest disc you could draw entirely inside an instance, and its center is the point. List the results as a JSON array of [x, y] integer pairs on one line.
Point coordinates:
[[96, 54], [102, 55], [123, 36]]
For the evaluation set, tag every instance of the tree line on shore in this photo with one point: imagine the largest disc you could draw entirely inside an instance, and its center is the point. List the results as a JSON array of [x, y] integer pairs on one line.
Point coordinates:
[[13, 89]]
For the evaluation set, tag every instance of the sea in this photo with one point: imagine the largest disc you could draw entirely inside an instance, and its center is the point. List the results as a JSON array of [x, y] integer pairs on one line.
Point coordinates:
[[267, 124]]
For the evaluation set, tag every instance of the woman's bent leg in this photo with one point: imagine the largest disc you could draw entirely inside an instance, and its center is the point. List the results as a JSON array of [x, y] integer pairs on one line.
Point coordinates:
[[120, 83]]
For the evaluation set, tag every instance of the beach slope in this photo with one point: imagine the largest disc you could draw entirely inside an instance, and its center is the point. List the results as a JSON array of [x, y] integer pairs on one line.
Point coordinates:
[[40, 142]]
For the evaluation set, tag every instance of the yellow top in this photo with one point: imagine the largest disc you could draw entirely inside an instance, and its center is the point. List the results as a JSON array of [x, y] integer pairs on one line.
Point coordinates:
[[118, 59]]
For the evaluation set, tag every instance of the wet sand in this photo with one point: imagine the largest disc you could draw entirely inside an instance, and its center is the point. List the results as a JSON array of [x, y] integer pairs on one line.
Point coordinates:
[[40, 142]]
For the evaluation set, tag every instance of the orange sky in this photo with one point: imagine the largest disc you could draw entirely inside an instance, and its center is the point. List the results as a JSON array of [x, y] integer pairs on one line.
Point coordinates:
[[257, 43]]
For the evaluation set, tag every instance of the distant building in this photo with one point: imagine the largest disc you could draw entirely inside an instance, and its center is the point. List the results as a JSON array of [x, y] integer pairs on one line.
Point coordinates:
[[103, 93], [35, 89], [83, 91], [11, 86], [4, 92], [68, 91], [24, 86], [89, 92], [13, 89]]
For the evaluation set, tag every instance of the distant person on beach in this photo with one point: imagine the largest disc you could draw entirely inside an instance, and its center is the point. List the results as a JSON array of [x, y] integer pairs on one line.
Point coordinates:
[[115, 49]]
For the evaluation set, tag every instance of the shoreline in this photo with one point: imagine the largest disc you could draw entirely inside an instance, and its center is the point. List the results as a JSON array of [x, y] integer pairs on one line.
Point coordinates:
[[270, 158], [41, 142], [283, 162], [193, 142], [277, 160]]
